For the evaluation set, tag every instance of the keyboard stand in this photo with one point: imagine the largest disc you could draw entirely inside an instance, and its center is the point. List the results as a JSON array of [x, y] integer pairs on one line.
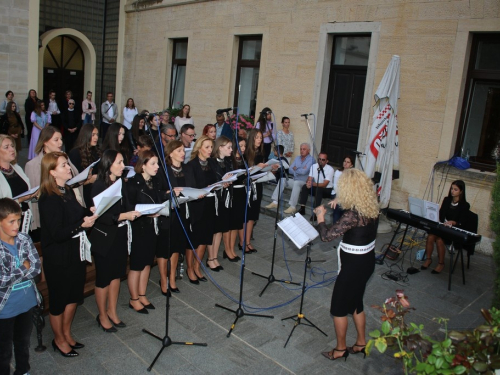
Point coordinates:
[[453, 264]]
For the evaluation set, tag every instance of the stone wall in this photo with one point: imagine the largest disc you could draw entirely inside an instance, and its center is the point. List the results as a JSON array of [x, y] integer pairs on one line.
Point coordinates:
[[14, 17], [431, 37]]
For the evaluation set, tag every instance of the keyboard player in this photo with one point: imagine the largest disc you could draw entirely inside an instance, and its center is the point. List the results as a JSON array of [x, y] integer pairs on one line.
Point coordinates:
[[453, 212]]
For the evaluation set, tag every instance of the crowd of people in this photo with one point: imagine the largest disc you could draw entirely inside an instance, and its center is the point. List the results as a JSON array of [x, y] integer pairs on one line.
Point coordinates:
[[166, 155]]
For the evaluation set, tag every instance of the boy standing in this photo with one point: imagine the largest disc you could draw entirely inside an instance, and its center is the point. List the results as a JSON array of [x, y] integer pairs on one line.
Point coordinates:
[[19, 265]]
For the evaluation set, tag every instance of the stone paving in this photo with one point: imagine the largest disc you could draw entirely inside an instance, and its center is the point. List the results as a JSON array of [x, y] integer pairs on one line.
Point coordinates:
[[256, 345]]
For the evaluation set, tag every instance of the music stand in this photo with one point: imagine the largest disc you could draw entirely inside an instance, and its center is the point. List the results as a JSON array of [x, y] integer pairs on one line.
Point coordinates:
[[300, 316], [298, 229]]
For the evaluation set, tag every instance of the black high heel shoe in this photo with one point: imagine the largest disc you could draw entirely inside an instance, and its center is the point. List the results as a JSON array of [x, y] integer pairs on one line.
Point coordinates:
[[149, 306], [225, 256], [77, 346], [72, 353], [118, 325], [107, 330], [352, 351], [240, 247], [216, 269], [141, 311], [423, 268], [434, 272], [250, 250], [331, 355]]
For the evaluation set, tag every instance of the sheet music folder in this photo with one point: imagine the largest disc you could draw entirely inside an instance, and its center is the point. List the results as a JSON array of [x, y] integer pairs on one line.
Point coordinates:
[[298, 229]]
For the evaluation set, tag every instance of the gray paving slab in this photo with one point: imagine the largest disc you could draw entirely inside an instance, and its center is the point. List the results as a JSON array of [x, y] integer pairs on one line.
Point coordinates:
[[256, 345]]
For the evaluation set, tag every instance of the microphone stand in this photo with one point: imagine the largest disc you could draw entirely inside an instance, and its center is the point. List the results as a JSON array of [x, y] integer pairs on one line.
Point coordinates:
[[239, 312], [166, 341], [271, 279], [360, 163]]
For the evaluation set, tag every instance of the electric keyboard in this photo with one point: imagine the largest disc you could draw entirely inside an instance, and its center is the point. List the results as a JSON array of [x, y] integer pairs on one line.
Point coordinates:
[[453, 234]]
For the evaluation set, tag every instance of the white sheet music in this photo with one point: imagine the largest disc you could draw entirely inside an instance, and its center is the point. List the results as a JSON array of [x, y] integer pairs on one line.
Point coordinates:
[[192, 193], [268, 177], [29, 192], [298, 230], [270, 164], [149, 209], [108, 197], [130, 171], [80, 177]]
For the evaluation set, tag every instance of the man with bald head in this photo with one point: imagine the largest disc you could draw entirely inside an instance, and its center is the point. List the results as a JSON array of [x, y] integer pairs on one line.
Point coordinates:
[[300, 171]]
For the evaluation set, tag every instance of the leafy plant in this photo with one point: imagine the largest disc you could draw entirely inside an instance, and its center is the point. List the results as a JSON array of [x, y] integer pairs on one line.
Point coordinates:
[[475, 351], [242, 122]]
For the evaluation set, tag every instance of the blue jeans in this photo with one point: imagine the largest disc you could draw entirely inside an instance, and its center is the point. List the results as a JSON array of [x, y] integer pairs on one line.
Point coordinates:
[[17, 331], [87, 119]]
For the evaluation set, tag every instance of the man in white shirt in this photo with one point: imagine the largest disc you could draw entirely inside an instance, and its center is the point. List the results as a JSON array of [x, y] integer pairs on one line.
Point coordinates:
[[187, 138], [109, 112], [319, 183], [52, 107]]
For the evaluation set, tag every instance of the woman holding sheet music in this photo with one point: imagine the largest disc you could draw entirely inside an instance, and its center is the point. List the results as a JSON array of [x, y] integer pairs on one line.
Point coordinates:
[[110, 240], [176, 243], [356, 255], [50, 141], [238, 200], [221, 164], [254, 155], [62, 220], [149, 232], [85, 152], [13, 180], [202, 211]]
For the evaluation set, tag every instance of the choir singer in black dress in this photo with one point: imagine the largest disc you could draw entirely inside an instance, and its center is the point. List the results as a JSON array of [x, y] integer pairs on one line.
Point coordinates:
[[356, 255], [149, 232], [110, 242], [62, 221]]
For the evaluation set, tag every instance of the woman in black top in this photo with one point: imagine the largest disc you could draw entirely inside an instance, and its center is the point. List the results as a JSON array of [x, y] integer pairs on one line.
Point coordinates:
[[115, 140], [11, 124], [110, 242], [254, 155], [29, 107], [202, 211], [452, 213], [138, 125], [356, 255], [149, 232], [62, 218], [178, 226], [221, 164], [238, 200], [85, 152]]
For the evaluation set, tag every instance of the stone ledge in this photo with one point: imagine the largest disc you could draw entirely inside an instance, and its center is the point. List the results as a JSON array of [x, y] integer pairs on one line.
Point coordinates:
[[143, 5]]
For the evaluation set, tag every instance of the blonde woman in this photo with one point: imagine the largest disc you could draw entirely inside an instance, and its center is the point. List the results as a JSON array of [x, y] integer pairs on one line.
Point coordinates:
[[356, 253]]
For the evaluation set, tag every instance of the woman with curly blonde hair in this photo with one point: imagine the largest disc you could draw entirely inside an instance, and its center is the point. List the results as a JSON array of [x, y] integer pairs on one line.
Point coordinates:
[[356, 254]]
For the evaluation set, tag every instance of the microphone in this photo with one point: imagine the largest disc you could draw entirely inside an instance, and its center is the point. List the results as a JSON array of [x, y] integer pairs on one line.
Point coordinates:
[[220, 111], [357, 152], [307, 114]]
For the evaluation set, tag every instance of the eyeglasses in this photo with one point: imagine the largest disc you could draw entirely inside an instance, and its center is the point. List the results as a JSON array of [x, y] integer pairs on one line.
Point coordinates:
[[71, 103], [321, 159], [190, 135]]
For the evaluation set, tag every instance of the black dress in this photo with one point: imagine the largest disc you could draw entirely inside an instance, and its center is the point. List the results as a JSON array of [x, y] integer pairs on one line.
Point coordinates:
[[61, 217], [201, 211], [356, 270], [238, 199], [109, 241], [76, 159], [224, 195], [145, 241], [177, 241], [255, 199]]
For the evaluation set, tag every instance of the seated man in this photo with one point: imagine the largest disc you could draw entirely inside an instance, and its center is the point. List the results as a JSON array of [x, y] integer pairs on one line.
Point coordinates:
[[322, 173], [299, 170]]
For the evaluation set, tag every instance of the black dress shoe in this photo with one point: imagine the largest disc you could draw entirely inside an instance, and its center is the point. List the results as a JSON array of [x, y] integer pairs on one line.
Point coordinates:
[[107, 330], [203, 278], [149, 306], [225, 256], [77, 346], [141, 311], [175, 290], [216, 269], [119, 324], [196, 282], [162, 292], [220, 268], [72, 353]]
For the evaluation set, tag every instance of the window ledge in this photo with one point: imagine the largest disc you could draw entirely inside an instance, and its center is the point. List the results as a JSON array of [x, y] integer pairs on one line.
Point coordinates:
[[470, 176]]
